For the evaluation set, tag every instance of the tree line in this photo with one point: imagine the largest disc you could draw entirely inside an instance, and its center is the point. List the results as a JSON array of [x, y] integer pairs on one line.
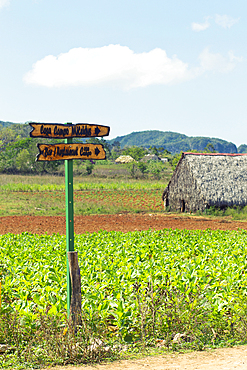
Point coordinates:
[[18, 153]]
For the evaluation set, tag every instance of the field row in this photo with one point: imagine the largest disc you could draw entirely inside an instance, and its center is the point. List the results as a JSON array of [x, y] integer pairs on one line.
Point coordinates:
[[18, 183], [85, 202]]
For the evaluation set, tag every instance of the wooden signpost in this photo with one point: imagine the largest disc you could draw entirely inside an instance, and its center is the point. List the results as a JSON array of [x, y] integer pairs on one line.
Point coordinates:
[[55, 152], [61, 131], [68, 151]]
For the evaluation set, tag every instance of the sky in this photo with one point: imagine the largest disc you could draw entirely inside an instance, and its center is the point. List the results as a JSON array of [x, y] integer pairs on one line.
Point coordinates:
[[133, 65]]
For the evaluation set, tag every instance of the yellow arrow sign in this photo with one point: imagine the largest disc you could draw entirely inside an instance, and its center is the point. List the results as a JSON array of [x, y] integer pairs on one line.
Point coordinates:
[[57, 152], [63, 131]]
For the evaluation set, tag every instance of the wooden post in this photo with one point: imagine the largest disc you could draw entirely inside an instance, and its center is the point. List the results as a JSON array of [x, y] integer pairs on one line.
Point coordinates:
[[69, 218], [75, 278], [53, 152]]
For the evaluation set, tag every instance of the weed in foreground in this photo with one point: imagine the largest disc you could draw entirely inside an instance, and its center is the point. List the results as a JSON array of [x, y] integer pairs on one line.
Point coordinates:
[[168, 320], [51, 341]]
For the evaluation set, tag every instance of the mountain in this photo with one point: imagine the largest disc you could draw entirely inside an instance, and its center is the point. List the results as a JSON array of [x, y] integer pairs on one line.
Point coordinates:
[[6, 124], [173, 141], [242, 148]]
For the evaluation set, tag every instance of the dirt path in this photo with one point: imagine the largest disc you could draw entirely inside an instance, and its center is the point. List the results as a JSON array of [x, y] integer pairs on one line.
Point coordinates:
[[219, 359], [119, 222]]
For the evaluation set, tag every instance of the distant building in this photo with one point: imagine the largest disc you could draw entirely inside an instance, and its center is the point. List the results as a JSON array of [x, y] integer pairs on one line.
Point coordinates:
[[164, 160], [125, 159], [150, 157], [203, 180]]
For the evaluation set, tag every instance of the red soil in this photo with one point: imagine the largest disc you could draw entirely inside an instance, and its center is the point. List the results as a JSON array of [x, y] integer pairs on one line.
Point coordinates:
[[119, 222]]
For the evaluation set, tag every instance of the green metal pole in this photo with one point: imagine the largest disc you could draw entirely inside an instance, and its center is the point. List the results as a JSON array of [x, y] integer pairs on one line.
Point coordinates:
[[69, 218]]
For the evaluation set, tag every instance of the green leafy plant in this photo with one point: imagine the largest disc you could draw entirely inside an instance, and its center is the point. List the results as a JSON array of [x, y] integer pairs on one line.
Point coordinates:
[[182, 287]]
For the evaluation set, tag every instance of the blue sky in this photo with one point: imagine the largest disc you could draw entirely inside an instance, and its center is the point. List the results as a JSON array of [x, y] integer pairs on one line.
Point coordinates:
[[132, 65]]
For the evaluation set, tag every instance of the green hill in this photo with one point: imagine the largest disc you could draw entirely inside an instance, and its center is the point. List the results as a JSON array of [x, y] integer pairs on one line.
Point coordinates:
[[242, 148], [6, 124], [173, 141], [10, 131]]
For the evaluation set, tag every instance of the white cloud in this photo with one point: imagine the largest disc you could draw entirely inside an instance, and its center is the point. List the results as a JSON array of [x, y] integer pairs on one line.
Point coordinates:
[[3, 3], [200, 26], [222, 20], [113, 63], [217, 62], [225, 21], [119, 66]]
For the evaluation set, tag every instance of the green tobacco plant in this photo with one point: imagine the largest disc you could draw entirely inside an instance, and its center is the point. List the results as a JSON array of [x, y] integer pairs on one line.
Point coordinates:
[[181, 288]]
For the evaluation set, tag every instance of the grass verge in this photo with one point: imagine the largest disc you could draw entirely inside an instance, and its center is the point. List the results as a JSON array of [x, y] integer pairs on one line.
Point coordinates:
[[234, 213]]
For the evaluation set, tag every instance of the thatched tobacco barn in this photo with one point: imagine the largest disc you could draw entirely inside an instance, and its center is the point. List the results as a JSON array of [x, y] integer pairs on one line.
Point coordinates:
[[203, 180], [125, 159]]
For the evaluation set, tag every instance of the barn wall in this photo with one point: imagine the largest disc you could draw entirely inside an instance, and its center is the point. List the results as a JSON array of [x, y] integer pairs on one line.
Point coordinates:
[[183, 193]]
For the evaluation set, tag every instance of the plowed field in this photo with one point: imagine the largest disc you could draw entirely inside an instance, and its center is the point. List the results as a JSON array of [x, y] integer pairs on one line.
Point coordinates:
[[119, 222]]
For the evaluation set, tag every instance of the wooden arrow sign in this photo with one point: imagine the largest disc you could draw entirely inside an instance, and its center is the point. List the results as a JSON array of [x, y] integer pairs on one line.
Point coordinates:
[[63, 131], [57, 152]]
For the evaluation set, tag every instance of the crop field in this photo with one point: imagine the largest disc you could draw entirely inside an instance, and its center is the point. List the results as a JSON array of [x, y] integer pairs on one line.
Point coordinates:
[[85, 202], [118, 201], [46, 196], [141, 285], [139, 289]]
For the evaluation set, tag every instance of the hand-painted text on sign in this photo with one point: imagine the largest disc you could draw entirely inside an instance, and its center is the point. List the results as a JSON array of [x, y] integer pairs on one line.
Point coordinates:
[[62, 131], [56, 152]]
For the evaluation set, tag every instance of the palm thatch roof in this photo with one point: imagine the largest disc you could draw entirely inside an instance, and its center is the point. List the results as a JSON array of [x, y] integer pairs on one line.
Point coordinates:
[[125, 159], [201, 180]]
